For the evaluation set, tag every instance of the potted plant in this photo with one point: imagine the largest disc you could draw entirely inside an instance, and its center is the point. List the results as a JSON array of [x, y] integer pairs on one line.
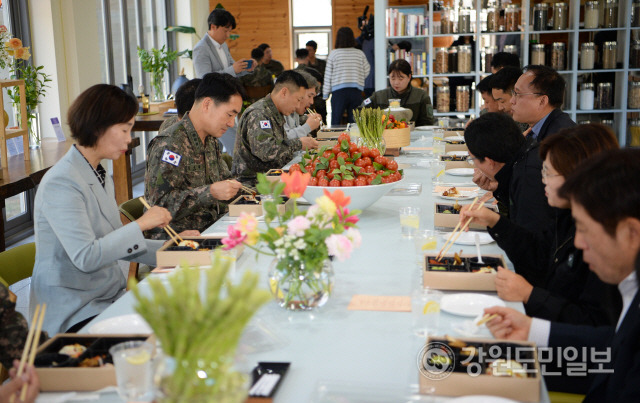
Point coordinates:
[[156, 62]]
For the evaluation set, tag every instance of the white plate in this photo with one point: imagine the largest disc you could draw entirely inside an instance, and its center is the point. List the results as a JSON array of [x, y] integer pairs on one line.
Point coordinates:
[[460, 171], [482, 399], [426, 127], [459, 153], [468, 304], [463, 196], [454, 138], [468, 238], [132, 323]]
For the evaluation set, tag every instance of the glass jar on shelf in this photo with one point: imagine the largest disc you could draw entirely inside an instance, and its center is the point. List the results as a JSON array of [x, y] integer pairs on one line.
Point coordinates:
[[611, 14], [513, 49], [512, 18], [587, 55], [446, 22], [493, 19], [537, 54], [464, 21], [634, 133], [464, 59], [591, 19], [587, 96], [558, 56], [609, 55], [607, 122], [462, 98], [489, 51], [634, 55], [560, 16], [540, 16], [634, 95], [443, 99], [453, 59], [635, 14], [441, 64], [605, 96]]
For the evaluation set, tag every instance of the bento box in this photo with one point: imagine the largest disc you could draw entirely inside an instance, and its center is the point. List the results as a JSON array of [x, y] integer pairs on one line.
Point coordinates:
[[92, 370], [253, 205], [461, 272], [273, 175], [171, 255], [476, 366], [447, 215]]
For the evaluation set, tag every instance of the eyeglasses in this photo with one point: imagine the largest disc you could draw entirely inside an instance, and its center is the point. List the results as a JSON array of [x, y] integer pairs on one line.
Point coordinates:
[[521, 94], [470, 160], [546, 174]]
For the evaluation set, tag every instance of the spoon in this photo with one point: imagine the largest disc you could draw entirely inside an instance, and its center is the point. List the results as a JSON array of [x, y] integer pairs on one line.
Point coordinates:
[[477, 239]]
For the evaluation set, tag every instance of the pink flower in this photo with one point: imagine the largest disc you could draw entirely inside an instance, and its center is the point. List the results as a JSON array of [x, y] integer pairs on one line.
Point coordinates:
[[247, 223], [354, 236], [3, 29], [236, 237], [298, 225], [343, 216], [339, 246]]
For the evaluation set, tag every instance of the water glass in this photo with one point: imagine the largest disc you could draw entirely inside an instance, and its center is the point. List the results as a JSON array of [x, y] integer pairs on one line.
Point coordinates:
[[134, 370], [425, 309], [409, 221], [425, 241], [437, 170]]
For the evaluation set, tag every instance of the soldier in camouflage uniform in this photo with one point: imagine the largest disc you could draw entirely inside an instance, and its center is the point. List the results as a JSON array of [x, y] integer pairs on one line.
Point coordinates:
[[261, 142], [185, 172], [185, 96], [300, 123], [261, 77]]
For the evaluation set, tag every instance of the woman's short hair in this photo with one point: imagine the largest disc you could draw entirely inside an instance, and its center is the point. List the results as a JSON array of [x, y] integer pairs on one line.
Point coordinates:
[[569, 147], [401, 66], [345, 38], [98, 108]]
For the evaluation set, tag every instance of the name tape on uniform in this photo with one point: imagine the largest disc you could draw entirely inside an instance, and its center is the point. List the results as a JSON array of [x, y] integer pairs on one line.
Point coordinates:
[[171, 158], [367, 101], [265, 124]]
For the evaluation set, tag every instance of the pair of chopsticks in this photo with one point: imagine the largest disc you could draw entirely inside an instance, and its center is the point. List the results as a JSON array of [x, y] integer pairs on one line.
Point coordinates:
[[172, 233], [30, 347], [311, 111], [486, 318], [246, 189], [455, 235]]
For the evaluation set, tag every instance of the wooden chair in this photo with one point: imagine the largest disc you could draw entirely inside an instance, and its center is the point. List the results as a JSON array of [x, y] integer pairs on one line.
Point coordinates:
[[132, 209]]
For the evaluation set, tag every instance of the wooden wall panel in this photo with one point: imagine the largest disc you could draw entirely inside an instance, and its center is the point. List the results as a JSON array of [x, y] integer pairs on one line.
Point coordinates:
[[264, 21]]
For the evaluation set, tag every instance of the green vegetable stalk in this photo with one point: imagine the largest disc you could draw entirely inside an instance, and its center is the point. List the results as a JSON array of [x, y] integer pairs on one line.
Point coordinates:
[[371, 124], [201, 332]]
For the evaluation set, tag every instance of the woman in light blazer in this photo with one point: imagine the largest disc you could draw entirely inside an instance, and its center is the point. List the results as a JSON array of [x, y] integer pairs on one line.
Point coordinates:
[[78, 233]]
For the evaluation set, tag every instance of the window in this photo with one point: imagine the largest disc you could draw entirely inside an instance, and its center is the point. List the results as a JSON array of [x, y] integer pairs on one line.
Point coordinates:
[[312, 21]]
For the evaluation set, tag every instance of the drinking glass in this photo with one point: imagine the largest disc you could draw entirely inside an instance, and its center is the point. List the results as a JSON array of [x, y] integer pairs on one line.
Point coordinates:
[[134, 370], [409, 221], [437, 171], [425, 309], [425, 241]]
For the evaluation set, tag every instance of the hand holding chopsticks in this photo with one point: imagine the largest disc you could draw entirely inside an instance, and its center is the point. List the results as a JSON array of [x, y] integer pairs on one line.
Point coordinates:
[[172, 233], [486, 318], [30, 347], [246, 189]]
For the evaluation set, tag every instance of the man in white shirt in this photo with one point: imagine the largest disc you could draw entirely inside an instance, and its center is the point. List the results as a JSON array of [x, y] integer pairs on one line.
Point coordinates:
[[605, 203]]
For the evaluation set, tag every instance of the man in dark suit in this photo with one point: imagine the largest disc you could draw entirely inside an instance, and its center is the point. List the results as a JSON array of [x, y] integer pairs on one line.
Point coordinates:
[[605, 203]]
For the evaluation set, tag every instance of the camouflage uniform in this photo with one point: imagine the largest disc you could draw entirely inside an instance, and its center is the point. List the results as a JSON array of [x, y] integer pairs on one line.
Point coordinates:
[[275, 67], [261, 142], [13, 330], [184, 189], [414, 98], [168, 123], [260, 77]]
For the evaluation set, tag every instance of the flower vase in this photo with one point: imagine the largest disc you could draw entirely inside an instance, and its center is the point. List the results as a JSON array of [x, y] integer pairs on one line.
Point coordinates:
[[158, 88], [380, 144], [35, 138], [199, 381], [298, 286]]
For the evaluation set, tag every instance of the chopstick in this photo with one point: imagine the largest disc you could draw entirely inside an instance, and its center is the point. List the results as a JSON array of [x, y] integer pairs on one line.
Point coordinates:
[[30, 347], [463, 229], [486, 318], [172, 233], [246, 189], [449, 241]]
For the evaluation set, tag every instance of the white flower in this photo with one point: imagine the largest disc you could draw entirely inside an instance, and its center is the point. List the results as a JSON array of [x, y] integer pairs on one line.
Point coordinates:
[[298, 225], [280, 253], [354, 236], [339, 246], [299, 244], [278, 242]]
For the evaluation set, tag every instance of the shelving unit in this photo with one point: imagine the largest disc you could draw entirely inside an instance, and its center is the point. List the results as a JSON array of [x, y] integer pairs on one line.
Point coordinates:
[[571, 75]]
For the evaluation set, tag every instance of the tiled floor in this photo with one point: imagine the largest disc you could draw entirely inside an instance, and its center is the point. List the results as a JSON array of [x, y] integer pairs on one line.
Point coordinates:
[[22, 288]]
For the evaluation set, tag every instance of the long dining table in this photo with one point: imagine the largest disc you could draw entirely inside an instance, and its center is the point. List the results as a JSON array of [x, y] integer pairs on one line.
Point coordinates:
[[337, 354]]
